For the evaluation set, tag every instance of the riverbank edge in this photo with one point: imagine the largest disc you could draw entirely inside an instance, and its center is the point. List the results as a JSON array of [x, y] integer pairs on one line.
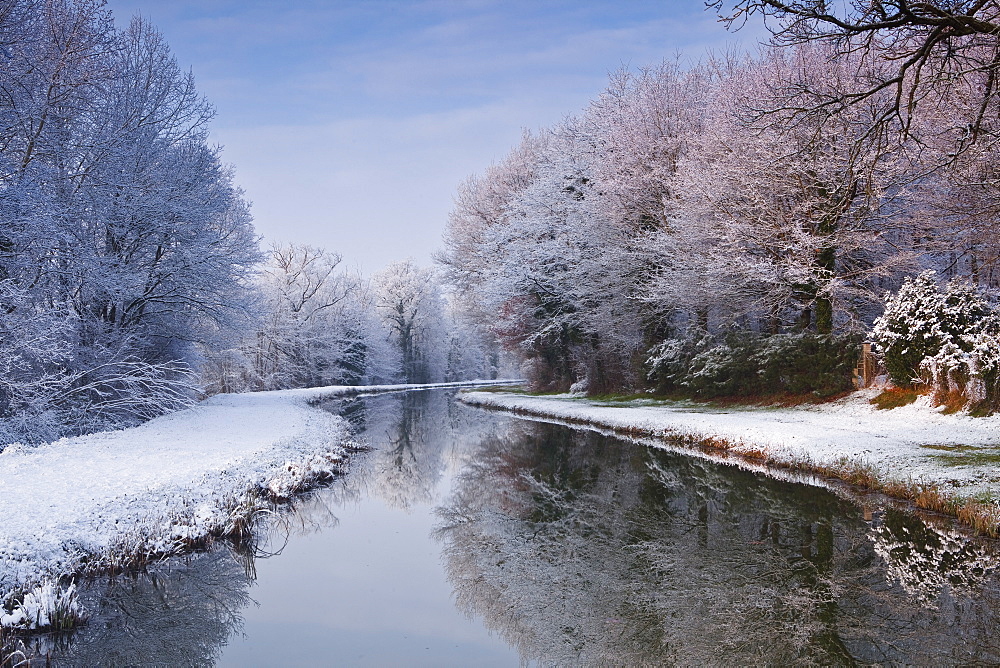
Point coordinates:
[[983, 517], [175, 529]]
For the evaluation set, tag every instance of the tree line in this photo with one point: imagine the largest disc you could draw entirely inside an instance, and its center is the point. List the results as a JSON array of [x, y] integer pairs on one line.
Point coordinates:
[[318, 324], [131, 277], [747, 207]]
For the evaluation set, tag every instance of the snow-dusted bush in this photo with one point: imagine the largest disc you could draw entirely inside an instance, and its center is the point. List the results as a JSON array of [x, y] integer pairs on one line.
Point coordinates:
[[806, 363], [969, 366], [580, 387], [726, 369], [922, 322], [121, 391], [669, 362]]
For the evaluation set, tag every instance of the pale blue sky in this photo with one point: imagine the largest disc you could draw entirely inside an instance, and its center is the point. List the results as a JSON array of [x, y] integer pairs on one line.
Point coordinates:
[[350, 123]]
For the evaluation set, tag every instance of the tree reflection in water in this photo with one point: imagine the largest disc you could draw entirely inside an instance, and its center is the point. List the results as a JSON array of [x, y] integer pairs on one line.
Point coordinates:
[[178, 613], [410, 461], [183, 611], [579, 548], [417, 436]]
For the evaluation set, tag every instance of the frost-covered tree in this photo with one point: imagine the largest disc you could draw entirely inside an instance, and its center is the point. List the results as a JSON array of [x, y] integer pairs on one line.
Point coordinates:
[[412, 306], [301, 344], [800, 225], [471, 353], [922, 56], [748, 196], [125, 247], [316, 324], [546, 264], [954, 208]]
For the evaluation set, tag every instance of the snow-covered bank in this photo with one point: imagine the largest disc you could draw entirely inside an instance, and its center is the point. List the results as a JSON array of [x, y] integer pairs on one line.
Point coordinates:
[[959, 454], [98, 501]]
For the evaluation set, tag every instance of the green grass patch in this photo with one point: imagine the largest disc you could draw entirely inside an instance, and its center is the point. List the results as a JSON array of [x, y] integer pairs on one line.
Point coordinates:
[[777, 400], [964, 455], [620, 398], [502, 389], [984, 498], [948, 447], [979, 458], [894, 398]]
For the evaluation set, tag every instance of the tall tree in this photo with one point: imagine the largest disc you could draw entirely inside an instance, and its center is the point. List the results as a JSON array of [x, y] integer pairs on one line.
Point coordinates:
[[919, 55], [799, 219], [125, 247]]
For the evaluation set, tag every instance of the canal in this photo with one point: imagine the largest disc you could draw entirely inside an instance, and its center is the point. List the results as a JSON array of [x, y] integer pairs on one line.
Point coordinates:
[[466, 537]]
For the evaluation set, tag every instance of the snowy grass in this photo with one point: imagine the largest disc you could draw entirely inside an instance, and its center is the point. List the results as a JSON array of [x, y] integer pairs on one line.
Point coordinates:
[[47, 607], [115, 501], [894, 452]]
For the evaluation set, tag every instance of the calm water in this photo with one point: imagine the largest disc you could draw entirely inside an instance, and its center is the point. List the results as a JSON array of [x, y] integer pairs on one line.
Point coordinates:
[[471, 538]]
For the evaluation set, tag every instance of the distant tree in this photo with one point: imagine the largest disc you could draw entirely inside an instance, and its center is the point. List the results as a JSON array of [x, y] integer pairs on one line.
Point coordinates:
[[472, 354], [316, 325], [954, 209], [410, 302], [547, 269], [303, 293]]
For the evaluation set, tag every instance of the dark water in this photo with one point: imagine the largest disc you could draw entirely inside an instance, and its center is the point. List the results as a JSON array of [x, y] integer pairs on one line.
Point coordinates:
[[471, 538]]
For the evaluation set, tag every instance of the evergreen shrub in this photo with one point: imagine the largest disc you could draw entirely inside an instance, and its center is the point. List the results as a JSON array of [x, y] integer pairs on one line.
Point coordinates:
[[743, 364], [920, 320]]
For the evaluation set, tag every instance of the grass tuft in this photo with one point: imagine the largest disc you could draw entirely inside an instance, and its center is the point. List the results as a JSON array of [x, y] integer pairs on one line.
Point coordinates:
[[953, 402], [47, 607], [981, 409], [13, 652]]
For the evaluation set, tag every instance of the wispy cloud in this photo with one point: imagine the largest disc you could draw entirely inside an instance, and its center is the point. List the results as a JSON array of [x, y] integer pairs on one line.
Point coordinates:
[[352, 122]]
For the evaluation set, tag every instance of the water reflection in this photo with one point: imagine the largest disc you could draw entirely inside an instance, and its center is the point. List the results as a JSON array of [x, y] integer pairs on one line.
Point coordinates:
[[184, 611], [416, 437], [374, 591], [930, 562], [581, 549], [574, 547], [177, 613]]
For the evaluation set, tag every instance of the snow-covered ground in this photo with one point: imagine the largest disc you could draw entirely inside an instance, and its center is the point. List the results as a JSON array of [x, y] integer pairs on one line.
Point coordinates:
[[87, 502], [915, 442]]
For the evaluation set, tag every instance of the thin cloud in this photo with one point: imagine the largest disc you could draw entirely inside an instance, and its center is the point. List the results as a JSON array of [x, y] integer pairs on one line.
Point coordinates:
[[351, 123]]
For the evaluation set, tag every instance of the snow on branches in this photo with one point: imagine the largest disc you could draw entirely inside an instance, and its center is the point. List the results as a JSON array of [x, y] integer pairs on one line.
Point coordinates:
[[125, 247], [948, 338]]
